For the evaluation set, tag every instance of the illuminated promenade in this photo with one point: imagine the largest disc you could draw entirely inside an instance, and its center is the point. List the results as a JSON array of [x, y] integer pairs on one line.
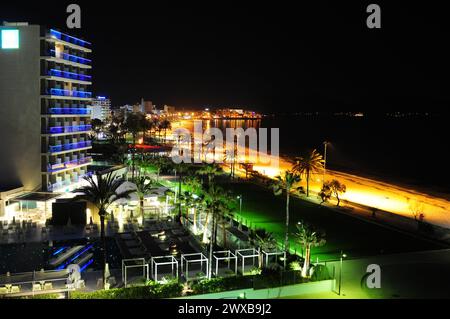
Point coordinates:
[[377, 194], [361, 190]]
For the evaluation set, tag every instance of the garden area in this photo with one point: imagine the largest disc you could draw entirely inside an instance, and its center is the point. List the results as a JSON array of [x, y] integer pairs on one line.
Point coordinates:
[[261, 209]]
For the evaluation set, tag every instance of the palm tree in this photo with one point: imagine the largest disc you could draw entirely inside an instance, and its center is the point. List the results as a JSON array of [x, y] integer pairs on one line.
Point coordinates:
[[192, 201], [248, 167], [180, 169], [193, 184], [146, 125], [337, 188], [308, 237], [309, 164], [286, 183], [102, 192], [211, 171], [217, 202], [165, 125], [223, 215], [97, 127], [160, 163], [116, 129], [265, 242], [144, 185], [133, 125]]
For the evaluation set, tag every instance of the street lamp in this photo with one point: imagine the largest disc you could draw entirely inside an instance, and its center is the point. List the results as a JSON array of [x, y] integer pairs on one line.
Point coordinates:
[[325, 143], [240, 203], [340, 271]]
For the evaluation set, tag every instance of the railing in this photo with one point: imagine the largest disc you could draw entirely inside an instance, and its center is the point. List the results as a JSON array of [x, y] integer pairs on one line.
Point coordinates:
[[62, 92], [61, 184], [69, 146], [70, 57], [69, 75], [68, 38], [69, 110], [69, 129], [69, 164]]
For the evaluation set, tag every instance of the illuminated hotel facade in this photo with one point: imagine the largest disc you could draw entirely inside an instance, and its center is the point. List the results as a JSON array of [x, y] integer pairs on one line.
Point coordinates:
[[45, 108], [101, 108]]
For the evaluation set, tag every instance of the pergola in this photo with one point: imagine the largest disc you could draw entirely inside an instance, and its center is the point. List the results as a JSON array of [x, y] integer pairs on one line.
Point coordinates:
[[275, 253], [37, 282], [133, 263], [244, 254], [195, 258], [225, 256], [158, 261]]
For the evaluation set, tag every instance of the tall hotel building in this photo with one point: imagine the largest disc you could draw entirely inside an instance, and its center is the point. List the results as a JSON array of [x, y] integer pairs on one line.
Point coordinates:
[[101, 108], [44, 108]]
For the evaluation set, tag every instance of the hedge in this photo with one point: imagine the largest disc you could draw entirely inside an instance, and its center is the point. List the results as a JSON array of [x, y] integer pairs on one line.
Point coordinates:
[[150, 291]]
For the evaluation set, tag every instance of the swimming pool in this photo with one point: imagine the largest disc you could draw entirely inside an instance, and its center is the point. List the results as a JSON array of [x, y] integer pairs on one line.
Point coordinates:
[[24, 257]]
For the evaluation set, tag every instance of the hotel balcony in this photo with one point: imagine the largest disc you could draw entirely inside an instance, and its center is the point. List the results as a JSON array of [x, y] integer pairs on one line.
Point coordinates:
[[70, 57], [73, 93], [70, 41], [68, 165], [69, 129], [67, 38], [68, 76], [67, 182], [69, 111], [53, 149], [68, 94]]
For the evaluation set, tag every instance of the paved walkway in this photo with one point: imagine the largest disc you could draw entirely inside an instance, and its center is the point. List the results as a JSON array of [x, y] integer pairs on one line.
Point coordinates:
[[410, 275]]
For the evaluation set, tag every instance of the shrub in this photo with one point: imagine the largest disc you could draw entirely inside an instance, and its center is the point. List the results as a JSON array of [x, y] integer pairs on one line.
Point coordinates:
[[152, 290], [295, 265], [214, 285], [320, 272], [208, 286], [255, 271]]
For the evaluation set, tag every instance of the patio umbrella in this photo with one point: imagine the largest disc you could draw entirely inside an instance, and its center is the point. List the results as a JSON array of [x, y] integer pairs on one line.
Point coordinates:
[[91, 222], [14, 220], [131, 214]]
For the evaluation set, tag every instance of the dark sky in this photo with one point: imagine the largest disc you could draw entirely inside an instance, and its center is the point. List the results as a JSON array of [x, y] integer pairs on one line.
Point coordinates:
[[270, 57]]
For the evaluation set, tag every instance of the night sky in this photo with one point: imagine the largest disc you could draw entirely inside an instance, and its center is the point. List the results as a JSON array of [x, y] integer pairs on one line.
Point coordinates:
[[272, 58]]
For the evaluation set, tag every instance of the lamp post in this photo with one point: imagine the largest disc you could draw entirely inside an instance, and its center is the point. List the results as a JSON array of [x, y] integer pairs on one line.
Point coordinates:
[[325, 143], [240, 203], [340, 271]]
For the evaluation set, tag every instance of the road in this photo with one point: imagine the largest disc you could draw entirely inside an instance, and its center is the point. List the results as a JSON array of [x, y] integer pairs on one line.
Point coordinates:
[[374, 193]]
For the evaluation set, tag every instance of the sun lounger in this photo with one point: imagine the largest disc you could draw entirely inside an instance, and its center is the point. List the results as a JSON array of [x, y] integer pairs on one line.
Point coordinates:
[[48, 286], [15, 289], [37, 287], [3, 290], [80, 284]]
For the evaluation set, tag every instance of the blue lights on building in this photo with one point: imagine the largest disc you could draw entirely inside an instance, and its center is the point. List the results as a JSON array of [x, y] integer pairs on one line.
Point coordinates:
[[65, 37]]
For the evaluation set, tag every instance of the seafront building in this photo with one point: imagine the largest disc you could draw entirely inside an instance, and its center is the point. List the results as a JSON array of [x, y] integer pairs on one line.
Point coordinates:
[[45, 113], [101, 108]]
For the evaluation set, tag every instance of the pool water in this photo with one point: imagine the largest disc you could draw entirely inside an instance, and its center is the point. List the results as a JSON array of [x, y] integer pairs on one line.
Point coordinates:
[[25, 257]]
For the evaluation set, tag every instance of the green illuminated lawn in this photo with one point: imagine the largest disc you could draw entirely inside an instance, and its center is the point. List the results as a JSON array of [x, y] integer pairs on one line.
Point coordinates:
[[355, 237]]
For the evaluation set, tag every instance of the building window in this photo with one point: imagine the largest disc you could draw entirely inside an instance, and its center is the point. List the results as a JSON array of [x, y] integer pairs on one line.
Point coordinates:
[[10, 39]]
